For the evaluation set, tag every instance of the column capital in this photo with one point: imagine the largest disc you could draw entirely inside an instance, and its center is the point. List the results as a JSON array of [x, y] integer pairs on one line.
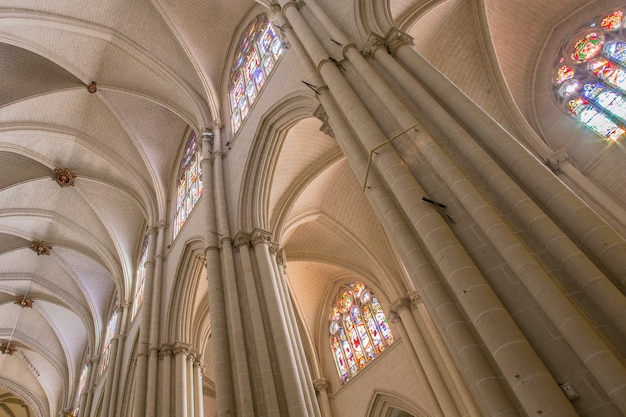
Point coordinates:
[[321, 384], [166, 350], [180, 348], [394, 317], [396, 39], [374, 42], [242, 239], [320, 113], [557, 160], [215, 125], [261, 236], [401, 304], [416, 298]]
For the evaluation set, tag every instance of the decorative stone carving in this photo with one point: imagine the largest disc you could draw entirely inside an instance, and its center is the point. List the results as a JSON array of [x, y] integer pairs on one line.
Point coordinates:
[[92, 87], [396, 39], [64, 177], [416, 298], [261, 236], [24, 301], [166, 350], [320, 113], [41, 247], [242, 239], [7, 348], [400, 304], [374, 42], [557, 160], [321, 384]]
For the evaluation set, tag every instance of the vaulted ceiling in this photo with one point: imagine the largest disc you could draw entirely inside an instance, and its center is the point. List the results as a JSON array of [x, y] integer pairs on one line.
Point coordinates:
[[160, 67]]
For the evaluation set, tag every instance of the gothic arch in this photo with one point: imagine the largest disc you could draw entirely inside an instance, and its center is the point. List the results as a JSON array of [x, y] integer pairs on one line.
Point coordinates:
[[26, 395], [388, 404], [264, 153]]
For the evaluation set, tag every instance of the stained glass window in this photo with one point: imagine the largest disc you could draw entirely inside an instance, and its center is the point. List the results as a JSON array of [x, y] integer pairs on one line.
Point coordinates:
[[140, 277], [259, 50], [590, 76], [105, 358], [358, 328], [189, 187]]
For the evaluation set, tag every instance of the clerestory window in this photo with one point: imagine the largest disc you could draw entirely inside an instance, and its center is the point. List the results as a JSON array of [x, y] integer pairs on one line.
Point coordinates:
[[189, 185], [105, 358], [140, 278], [259, 50], [359, 330], [590, 76]]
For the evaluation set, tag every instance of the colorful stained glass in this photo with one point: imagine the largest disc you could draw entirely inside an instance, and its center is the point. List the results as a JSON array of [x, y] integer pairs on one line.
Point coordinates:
[[373, 329], [355, 324], [564, 73], [346, 302], [347, 350], [258, 51], [189, 187], [588, 47], [106, 351], [613, 21], [140, 276], [595, 120], [616, 51], [590, 80], [340, 361]]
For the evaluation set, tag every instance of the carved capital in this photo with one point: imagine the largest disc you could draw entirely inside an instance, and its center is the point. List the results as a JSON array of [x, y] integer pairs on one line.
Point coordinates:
[[394, 317], [320, 113], [242, 239], [557, 160], [180, 349], [261, 236], [216, 125], [400, 304], [321, 384], [416, 298], [396, 39], [374, 42], [166, 350]]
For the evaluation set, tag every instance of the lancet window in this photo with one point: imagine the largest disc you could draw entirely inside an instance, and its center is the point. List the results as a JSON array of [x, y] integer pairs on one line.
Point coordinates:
[[590, 76], [140, 277], [259, 50], [189, 186], [359, 330], [105, 358]]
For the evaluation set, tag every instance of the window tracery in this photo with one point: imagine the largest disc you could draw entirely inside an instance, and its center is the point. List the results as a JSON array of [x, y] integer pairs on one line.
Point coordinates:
[[105, 358], [259, 50], [140, 277], [359, 330], [189, 185], [590, 78]]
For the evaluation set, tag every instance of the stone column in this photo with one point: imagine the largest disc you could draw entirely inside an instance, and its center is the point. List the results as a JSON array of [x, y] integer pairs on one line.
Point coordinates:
[[566, 317], [141, 373], [241, 378], [190, 391], [445, 363], [294, 393], [180, 380], [427, 389], [155, 322], [589, 229], [84, 395], [481, 304], [91, 382], [109, 393], [321, 388], [166, 388], [242, 243], [217, 313], [198, 393], [476, 367], [124, 318], [279, 264]]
